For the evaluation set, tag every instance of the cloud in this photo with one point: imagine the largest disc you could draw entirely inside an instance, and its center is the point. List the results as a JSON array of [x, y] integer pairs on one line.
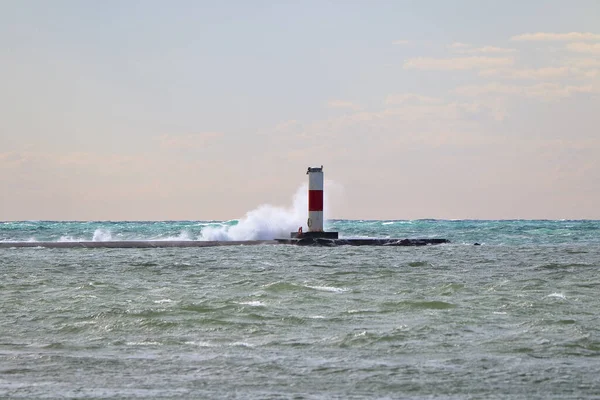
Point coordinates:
[[343, 104], [111, 161], [584, 48], [585, 63], [490, 88], [289, 125], [543, 91], [592, 74], [490, 50], [406, 117], [555, 37], [401, 42], [552, 91], [528, 73], [457, 63], [459, 45], [82, 162], [464, 48], [194, 140], [397, 99], [12, 159]]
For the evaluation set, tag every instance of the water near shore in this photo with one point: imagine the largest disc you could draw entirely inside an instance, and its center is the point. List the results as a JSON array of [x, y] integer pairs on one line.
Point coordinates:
[[514, 318]]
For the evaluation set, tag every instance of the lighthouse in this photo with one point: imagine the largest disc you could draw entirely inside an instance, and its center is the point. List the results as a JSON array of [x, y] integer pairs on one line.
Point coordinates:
[[315, 199], [315, 207]]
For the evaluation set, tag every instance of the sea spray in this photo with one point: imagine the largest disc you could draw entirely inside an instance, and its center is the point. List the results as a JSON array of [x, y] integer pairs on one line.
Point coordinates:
[[264, 223], [66, 238], [102, 235], [183, 235], [269, 222]]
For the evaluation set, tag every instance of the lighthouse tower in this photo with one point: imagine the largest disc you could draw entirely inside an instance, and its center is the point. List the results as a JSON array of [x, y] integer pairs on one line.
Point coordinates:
[[315, 207], [315, 199]]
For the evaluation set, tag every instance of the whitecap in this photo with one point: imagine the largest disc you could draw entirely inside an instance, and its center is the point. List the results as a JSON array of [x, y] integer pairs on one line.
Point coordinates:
[[558, 295], [200, 344], [143, 343], [84, 323], [242, 344], [161, 301], [327, 289], [251, 303], [266, 285], [102, 235], [183, 235]]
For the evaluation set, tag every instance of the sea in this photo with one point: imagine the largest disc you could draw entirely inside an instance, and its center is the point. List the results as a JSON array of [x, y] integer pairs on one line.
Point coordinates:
[[516, 316]]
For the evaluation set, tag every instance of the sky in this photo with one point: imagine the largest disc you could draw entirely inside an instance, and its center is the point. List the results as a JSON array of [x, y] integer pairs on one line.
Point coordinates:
[[204, 110]]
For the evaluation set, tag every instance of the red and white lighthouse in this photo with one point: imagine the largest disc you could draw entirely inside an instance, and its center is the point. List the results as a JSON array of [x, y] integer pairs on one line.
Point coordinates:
[[315, 199], [315, 207]]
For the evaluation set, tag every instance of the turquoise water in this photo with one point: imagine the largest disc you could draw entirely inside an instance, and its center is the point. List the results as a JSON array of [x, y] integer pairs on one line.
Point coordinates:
[[505, 232], [514, 318]]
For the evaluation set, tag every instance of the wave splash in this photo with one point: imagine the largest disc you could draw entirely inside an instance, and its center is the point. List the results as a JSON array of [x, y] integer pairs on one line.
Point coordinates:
[[102, 235], [264, 223]]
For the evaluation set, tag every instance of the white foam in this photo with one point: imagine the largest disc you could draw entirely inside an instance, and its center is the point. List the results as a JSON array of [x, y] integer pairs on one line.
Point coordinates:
[[264, 223], [269, 222], [327, 289], [183, 235], [200, 344], [243, 344], [102, 235], [251, 303], [558, 295], [271, 284], [161, 301], [143, 343]]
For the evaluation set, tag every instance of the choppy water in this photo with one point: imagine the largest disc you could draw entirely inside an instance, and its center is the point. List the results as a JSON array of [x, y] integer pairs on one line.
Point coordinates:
[[514, 318]]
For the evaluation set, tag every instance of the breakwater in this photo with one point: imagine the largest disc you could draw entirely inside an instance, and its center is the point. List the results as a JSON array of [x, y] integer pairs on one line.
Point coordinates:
[[139, 244]]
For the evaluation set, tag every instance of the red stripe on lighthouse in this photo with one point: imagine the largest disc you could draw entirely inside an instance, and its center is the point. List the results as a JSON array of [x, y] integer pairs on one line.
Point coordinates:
[[315, 200]]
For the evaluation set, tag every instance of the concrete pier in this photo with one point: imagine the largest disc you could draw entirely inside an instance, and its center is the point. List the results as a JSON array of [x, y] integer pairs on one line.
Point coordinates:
[[142, 244], [135, 244], [310, 241], [314, 235]]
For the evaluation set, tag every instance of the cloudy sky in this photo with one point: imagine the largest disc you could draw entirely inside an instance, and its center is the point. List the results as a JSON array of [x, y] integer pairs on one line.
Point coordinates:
[[153, 110]]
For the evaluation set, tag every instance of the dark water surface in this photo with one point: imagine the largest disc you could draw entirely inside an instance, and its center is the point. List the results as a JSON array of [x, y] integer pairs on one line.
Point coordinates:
[[514, 318]]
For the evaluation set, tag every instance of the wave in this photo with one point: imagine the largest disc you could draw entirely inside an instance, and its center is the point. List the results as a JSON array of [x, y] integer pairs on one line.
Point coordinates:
[[183, 236], [264, 223], [102, 235], [269, 222]]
